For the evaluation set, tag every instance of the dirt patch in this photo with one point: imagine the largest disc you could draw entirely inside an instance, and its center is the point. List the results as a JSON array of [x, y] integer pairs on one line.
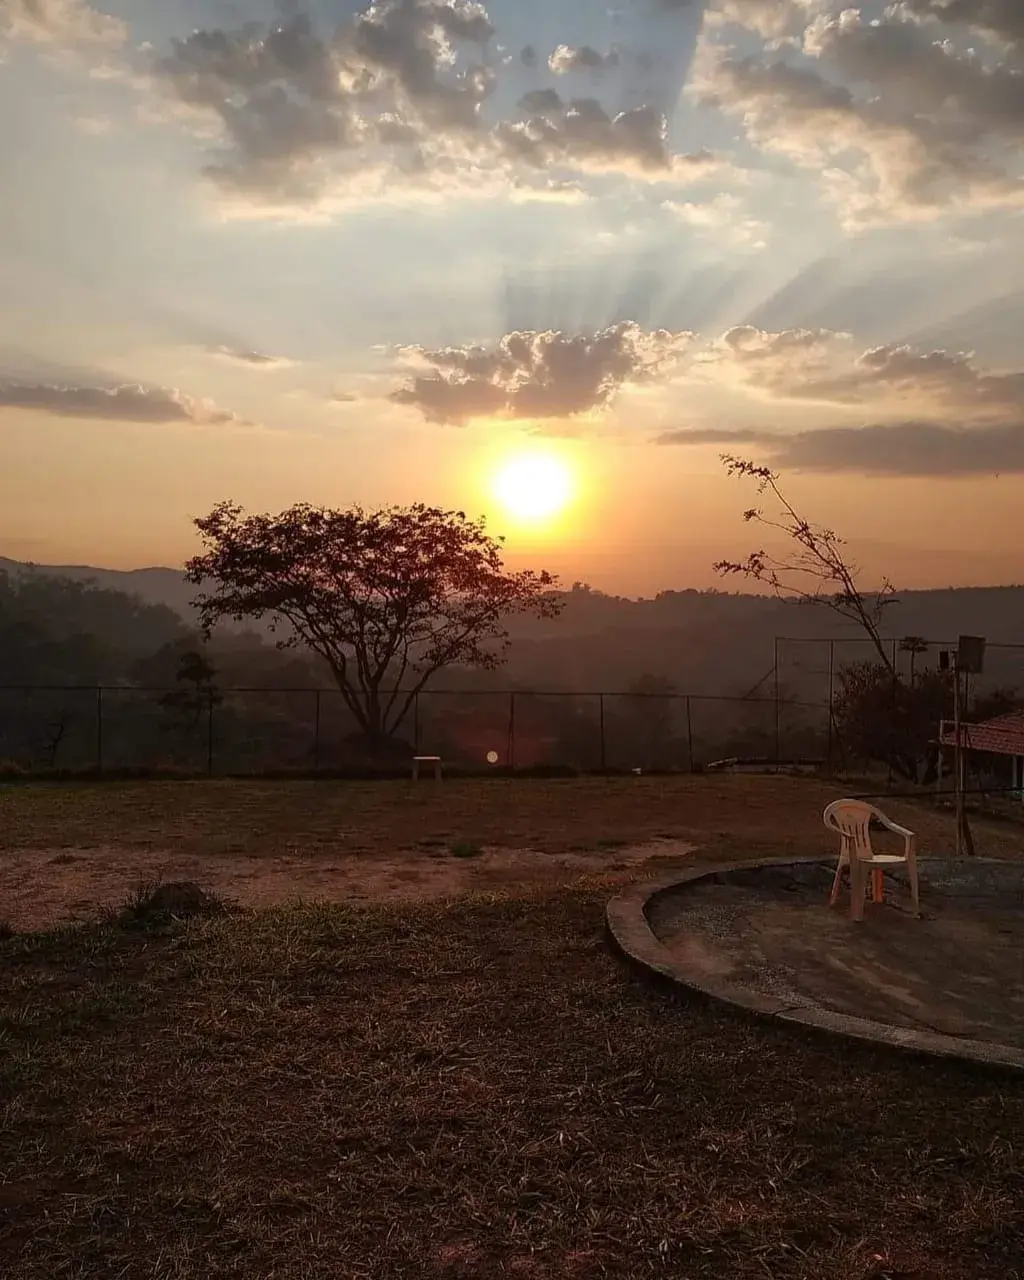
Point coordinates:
[[36, 896], [67, 850]]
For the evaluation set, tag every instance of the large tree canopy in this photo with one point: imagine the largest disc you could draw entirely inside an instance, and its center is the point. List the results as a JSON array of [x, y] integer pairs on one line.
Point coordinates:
[[386, 598]]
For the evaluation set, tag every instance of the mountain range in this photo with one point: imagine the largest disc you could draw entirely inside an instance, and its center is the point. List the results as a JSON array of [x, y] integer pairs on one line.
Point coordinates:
[[702, 641]]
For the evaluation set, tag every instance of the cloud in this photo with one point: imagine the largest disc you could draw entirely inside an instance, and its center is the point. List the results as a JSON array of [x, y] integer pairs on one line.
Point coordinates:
[[125, 403], [771, 19], [253, 359], [1003, 19], [722, 218], [898, 126], [59, 23], [911, 449], [298, 113], [566, 58], [933, 413], [545, 375], [901, 58], [552, 375], [909, 166], [581, 135], [541, 101], [821, 366], [392, 102]]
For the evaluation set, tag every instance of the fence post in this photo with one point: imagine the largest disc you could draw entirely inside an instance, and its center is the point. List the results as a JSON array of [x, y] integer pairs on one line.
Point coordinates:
[[689, 733], [316, 733], [511, 730], [209, 737], [416, 725], [831, 687], [99, 728], [600, 705], [892, 712], [778, 716]]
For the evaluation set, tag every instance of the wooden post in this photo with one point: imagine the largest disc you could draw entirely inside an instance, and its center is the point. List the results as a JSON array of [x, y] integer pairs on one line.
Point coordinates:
[[958, 761], [892, 712], [316, 733], [99, 729], [416, 725], [209, 737], [831, 696], [511, 730], [689, 732], [600, 713], [778, 712]]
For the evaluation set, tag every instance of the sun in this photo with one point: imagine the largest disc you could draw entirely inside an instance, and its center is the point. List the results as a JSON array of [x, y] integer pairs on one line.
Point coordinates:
[[533, 487]]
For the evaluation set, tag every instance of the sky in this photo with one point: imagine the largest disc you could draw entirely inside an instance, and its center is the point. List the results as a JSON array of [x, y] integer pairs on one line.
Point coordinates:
[[343, 254]]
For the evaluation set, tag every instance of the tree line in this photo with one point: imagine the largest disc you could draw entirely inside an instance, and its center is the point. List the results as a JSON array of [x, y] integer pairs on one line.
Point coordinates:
[[378, 604]]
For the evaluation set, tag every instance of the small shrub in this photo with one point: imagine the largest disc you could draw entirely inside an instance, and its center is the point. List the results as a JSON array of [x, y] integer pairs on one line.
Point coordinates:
[[156, 906], [466, 849], [7, 931]]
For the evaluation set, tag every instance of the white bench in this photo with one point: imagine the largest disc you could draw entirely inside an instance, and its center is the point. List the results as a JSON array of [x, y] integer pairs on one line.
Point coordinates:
[[418, 760]]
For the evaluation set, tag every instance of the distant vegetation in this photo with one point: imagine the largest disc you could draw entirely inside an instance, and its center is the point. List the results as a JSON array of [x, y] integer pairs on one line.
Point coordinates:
[[164, 683]]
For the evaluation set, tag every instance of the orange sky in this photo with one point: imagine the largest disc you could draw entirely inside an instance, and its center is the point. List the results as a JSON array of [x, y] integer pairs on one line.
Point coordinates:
[[634, 239]]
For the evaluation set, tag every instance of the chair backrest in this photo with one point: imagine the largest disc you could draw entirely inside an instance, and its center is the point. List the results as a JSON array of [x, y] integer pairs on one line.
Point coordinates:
[[852, 820]]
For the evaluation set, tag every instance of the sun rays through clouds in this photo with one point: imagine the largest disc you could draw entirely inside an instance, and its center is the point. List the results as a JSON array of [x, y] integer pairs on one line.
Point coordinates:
[[421, 230]]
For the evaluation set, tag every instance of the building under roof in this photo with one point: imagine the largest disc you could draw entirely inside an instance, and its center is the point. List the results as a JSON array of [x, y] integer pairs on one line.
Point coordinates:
[[1001, 736]]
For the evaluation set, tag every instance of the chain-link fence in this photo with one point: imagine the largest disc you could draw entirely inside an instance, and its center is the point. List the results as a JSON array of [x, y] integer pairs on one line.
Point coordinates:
[[811, 709], [888, 730], [257, 731]]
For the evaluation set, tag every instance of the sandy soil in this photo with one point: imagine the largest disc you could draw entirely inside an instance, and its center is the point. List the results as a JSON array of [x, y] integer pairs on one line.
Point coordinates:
[[41, 887]]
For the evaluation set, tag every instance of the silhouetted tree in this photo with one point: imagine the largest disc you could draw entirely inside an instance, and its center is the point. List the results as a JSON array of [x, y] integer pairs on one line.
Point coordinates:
[[384, 597], [891, 721], [815, 570], [196, 688], [915, 646]]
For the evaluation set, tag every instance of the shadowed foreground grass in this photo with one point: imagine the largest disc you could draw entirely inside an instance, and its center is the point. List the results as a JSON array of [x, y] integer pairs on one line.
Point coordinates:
[[474, 1090], [227, 817]]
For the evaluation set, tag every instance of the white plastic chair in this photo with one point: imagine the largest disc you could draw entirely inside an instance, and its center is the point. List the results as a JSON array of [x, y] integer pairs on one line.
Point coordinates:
[[851, 821]]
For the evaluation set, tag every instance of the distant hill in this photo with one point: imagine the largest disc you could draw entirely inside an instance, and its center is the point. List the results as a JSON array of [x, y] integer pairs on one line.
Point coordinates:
[[704, 641], [153, 586]]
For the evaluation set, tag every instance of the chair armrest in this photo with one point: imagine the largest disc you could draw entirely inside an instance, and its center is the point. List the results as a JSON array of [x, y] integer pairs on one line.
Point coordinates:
[[895, 827], [909, 837]]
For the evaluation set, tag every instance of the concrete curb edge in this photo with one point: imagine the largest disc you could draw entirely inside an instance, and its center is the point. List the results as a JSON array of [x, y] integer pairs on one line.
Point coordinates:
[[628, 928]]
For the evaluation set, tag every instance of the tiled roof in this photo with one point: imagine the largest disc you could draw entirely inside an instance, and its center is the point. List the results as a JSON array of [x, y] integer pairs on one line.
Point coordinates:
[[1003, 735]]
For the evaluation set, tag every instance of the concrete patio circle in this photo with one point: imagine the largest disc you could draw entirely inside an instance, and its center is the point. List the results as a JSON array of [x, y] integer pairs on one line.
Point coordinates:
[[761, 936]]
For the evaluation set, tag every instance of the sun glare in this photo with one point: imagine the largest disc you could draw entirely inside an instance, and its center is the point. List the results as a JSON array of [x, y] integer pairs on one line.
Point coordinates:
[[533, 487]]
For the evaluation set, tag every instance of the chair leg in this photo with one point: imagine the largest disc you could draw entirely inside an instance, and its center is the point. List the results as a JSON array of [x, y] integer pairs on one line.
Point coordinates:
[[915, 889], [836, 883], [857, 889], [877, 885]]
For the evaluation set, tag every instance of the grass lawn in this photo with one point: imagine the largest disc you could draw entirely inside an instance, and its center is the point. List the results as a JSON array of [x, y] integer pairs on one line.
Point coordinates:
[[66, 851], [464, 1088], [216, 818], [474, 1089]]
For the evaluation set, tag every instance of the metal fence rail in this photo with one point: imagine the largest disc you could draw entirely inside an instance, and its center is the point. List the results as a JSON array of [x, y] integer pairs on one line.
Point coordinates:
[[258, 730], [789, 715]]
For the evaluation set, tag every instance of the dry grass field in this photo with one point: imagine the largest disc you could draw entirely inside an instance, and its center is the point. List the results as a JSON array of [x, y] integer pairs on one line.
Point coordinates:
[[463, 1088], [68, 850]]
